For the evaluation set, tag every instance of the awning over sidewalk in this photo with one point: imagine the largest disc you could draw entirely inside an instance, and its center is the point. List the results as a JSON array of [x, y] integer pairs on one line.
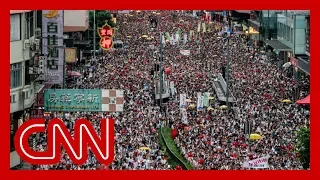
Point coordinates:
[[277, 45], [305, 100]]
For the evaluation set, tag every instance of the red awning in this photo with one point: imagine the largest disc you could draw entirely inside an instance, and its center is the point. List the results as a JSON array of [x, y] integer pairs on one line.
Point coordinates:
[[305, 100]]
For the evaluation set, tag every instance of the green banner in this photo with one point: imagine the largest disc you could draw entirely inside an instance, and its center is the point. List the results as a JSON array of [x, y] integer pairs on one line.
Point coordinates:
[[206, 99], [73, 100]]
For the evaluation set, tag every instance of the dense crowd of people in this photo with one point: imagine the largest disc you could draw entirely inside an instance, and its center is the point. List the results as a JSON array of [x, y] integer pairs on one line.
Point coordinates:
[[208, 139]]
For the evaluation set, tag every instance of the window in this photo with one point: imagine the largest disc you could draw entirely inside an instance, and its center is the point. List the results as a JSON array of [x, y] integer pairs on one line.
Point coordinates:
[[29, 24], [27, 76], [25, 94], [15, 27], [52, 28], [288, 33], [52, 40], [13, 98], [15, 75]]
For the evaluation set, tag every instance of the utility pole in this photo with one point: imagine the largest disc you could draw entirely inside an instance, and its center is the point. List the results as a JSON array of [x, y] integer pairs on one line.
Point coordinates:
[[94, 35], [227, 73], [161, 70], [228, 63]]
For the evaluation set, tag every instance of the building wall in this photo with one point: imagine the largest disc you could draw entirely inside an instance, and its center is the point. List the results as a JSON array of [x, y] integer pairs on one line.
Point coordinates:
[[80, 23], [22, 27], [308, 35], [291, 31], [18, 55]]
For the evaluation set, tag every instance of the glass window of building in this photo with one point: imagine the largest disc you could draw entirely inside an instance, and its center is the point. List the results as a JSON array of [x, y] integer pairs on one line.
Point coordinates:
[[15, 27], [29, 24], [15, 75]]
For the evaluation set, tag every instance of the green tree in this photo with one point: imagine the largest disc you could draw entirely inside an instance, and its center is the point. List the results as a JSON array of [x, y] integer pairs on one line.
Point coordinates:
[[102, 17], [303, 146]]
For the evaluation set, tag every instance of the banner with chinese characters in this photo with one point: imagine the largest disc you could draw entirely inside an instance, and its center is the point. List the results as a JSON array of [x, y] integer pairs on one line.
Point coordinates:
[[106, 34], [83, 100], [52, 47]]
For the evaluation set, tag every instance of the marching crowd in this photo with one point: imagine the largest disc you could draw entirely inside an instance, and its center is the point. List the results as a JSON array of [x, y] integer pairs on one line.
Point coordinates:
[[208, 139]]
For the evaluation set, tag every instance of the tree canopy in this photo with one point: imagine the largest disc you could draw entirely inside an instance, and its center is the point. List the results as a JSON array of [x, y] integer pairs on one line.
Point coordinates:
[[102, 17], [303, 146]]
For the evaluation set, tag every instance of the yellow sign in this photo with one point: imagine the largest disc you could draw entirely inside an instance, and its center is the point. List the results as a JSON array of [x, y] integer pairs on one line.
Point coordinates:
[[51, 13], [253, 31], [71, 55]]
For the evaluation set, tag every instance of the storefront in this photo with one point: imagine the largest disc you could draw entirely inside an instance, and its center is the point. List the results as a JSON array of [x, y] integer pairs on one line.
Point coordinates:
[[254, 37]]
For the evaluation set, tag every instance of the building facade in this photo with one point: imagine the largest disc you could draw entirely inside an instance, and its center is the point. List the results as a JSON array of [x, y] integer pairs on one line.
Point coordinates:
[[23, 46], [292, 31]]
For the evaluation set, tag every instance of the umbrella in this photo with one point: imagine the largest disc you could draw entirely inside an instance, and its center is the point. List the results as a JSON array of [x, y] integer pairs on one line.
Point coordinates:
[[74, 74], [144, 148], [211, 98], [192, 106], [144, 36], [188, 100], [223, 107], [255, 136], [210, 108], [286, 101]]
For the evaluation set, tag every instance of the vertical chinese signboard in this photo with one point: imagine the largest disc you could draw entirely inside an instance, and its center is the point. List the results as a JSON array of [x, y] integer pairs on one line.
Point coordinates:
[[83, 100], [106, 33], [52, 46]]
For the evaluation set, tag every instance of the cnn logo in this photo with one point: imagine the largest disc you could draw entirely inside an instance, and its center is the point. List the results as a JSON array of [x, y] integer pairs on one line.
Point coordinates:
[[76, 147]]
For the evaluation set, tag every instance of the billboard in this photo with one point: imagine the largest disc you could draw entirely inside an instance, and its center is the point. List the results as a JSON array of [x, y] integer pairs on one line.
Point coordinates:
[[52, 46], [83, 100]]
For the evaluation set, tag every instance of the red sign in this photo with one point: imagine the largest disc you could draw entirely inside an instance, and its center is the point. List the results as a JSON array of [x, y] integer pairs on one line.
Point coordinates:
[[106, 43], [106, 31], [58, 134]]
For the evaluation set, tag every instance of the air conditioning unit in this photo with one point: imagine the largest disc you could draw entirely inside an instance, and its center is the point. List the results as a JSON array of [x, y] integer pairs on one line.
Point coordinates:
[[38, 32], [26, 44], [36, 45]]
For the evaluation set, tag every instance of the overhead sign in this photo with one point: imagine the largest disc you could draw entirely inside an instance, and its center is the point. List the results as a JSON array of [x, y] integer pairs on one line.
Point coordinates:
[[84, 100]]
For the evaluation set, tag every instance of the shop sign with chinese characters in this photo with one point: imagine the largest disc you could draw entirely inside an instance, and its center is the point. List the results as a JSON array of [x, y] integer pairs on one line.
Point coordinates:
[[106, 33], [83, 100]]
